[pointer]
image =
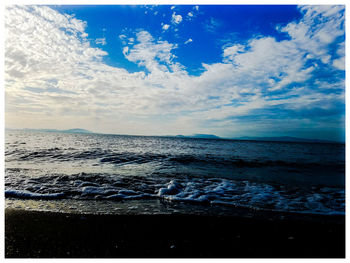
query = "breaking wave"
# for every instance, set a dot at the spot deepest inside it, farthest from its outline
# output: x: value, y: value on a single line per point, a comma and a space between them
x: 210, y: 191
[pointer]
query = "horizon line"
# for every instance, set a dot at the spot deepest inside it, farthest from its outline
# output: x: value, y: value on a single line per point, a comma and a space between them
x: 213, y: 136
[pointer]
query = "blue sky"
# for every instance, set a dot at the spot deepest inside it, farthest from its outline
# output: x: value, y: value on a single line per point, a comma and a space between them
x: 166, y: 70
x: 213, y: 26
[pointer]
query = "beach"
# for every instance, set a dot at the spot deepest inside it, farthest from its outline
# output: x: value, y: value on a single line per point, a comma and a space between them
x: 38, y: 234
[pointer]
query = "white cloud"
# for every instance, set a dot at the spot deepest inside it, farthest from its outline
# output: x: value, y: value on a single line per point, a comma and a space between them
x: 266, y: 58
x: 176, y: 19
x: 317, y: 30
x: 188, y: 41
x: 191, y: 15
x: 101, y: 41
x: 172, y: 7
x: 231, y: 51
x: 42, y: 56
x: 155, y: 55
x: 53, y: 75
x: 339, y: 63
x: 125, y: 51
x: 122, y: 36
x: 285, y: 60
x: 165, y: 27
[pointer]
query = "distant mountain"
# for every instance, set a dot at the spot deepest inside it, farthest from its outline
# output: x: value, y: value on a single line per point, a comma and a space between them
x: 55, y: 130
x: 281, y: 139
x: 205, y: 136
x: 179, y: 136
x: 77, y: 131
x: 199, y: 136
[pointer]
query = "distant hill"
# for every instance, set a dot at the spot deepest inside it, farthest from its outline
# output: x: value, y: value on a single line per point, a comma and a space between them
x: 178, y: 136
x: 205, y: 136
x: 77, y: 131
x: 199, y: 136
x: 281, y: 139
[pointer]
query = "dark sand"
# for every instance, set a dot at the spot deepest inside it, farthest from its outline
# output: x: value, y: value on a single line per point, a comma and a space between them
x: 30, y: 234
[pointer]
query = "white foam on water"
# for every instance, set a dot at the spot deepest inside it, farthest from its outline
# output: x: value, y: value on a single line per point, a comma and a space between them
x: 171, y: 189
x: 248, y: 194
x: 92, y: 190
x: 208, y: 191
x: 27, y: 194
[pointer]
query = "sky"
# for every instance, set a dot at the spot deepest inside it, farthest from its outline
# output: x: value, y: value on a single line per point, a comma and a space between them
x: 229, y: 70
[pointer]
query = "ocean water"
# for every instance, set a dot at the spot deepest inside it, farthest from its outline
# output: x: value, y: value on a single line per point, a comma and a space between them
x: 101, y: 173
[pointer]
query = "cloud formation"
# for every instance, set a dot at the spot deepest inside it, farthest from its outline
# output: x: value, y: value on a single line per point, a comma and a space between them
x: 101, y: 41
x: 176, y: 19
x: 188, y: 41
x: 165, y: 27
x: 54, y: 77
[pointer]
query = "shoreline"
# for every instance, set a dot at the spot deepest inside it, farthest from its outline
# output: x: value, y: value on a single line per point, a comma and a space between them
x: 36, y: 234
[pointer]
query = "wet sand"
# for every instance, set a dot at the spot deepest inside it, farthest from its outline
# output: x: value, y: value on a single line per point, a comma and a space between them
x: 31, y: 234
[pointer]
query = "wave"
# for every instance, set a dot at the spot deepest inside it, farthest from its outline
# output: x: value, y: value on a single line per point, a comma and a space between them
x: 110, y: 157
x: 30, y: 195
x: 210, y: 191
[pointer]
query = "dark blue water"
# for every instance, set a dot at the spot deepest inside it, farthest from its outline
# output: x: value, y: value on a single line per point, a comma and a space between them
x: 282, y: 176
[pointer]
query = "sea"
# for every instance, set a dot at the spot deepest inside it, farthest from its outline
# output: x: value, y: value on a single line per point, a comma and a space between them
x: 111, y: 174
